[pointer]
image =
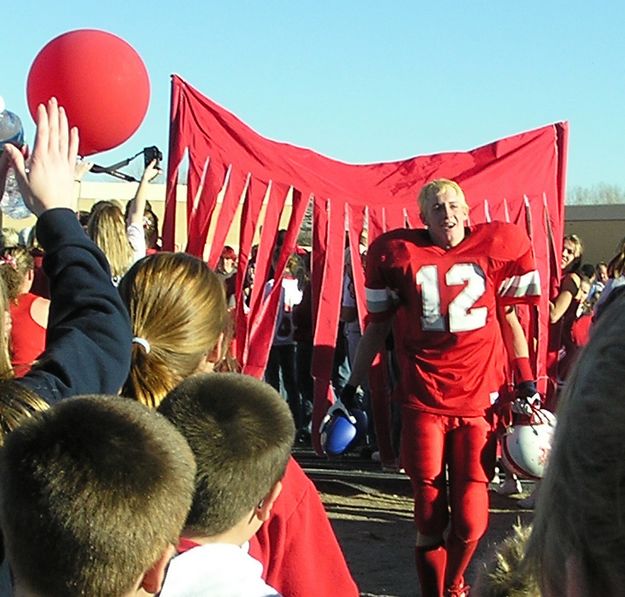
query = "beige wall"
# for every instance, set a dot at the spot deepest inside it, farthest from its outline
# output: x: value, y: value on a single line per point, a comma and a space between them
x: 600, y: 227
x: 90, y: 192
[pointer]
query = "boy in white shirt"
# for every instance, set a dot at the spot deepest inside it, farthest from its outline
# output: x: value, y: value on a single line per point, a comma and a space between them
x: 241, y: 433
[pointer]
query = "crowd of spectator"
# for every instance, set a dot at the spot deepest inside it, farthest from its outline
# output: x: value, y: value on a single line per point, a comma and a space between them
x: 132, y: 464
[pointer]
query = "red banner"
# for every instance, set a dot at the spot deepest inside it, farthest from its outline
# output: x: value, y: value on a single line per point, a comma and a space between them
x: 519, y: 179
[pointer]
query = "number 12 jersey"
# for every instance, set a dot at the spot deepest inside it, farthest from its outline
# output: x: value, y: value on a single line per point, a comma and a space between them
x: 447, y: 332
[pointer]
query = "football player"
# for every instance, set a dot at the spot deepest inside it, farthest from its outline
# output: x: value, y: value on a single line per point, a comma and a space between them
x: 449, y: 292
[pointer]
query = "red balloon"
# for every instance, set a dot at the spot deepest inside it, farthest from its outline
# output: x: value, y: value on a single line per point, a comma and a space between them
x: 99, y: 79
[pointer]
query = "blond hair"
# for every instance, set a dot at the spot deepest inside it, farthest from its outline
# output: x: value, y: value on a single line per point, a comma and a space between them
x: 578, y: 245
x: 15, y: 263
x: 432, y: 189
x: 579, y: 512
x: 502, y: 575
x: 6, y: 369
x: 177, y: 305
x: 616, y: 267
x: 107, y: 229
x: 17, y: 403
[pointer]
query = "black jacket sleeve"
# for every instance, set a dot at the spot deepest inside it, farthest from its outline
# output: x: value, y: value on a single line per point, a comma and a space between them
x: 88, y: 337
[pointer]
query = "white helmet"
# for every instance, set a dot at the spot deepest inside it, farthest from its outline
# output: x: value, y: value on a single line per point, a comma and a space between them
x: 525, y: 446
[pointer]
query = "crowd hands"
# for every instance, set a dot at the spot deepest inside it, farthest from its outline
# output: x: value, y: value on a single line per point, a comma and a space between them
x: 193, y: 519
x: 99, y: 490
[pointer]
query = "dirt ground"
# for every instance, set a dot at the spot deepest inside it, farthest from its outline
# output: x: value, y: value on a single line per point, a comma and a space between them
x: 371, y: 513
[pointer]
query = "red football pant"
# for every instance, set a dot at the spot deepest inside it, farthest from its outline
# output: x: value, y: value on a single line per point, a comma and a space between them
x: 466, y: 446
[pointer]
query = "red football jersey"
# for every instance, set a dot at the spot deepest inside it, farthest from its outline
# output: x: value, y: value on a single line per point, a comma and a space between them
x: 447, y: 334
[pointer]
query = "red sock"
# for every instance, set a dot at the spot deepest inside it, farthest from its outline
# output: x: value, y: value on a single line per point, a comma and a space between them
x: 430, y: 561
x: 459, y: 554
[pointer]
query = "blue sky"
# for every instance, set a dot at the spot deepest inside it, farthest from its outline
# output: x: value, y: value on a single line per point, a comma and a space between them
x: 366, y: 81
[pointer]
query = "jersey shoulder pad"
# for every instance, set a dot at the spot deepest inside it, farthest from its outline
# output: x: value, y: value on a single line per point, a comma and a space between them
x: 503, y: 241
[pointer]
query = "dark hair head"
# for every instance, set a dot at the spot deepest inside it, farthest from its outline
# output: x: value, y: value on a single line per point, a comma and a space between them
x: 228, y: 253
x: 150, y: 228
x: 241, y: 433
x: 93, y: 491
x: 616, y: 267
x: 588, y: 270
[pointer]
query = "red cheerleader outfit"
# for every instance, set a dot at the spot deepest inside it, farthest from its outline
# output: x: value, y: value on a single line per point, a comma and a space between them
x: 28, y: 338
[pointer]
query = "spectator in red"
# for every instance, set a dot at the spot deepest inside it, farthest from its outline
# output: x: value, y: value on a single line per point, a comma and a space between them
x: 227, y: 271
x: 29, y: 312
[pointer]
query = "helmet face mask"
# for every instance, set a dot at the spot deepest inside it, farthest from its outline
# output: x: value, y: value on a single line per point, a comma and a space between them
x: 525, y: 446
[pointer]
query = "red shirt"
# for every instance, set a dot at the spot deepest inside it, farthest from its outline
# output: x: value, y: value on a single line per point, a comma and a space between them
x: 41, y: 284
x: 28, y: 338
x: 297, y: 546
x: 447, y: 333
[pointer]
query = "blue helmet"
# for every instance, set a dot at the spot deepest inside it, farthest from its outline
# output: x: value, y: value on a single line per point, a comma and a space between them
x: 341, y: 429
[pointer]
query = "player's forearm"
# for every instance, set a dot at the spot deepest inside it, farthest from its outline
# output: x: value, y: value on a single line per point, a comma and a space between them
x: 513, y: 334
x: 370, y: 344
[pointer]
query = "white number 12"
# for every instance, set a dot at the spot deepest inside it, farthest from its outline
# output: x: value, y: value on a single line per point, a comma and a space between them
x: 463, y: 317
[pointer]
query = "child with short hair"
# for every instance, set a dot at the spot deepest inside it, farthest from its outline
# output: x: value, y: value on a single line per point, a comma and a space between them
x: 94, y: 494
x: 179, y: 315
x: 241, y: 433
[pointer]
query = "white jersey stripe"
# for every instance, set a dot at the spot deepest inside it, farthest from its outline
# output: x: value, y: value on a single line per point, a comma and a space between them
x: 527, y: 284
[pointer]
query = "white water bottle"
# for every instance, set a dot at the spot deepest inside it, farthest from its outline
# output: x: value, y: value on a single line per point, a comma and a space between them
x: 11, y: 131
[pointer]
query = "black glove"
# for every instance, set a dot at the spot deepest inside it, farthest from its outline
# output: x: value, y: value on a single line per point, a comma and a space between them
x: 350, y: 397
x: 527, y: 399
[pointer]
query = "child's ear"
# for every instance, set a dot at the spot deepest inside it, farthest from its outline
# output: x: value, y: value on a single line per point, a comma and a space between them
x: 263, y: 510
x: 153, y: 578
x: 213, y: 356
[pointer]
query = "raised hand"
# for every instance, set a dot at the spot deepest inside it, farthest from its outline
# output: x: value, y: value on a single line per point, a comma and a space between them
x: 49, y: 181
x: 138, y: 203
x: 151, y: 171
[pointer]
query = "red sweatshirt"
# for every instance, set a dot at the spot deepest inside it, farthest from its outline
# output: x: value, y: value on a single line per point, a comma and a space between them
x: 297, y: 546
